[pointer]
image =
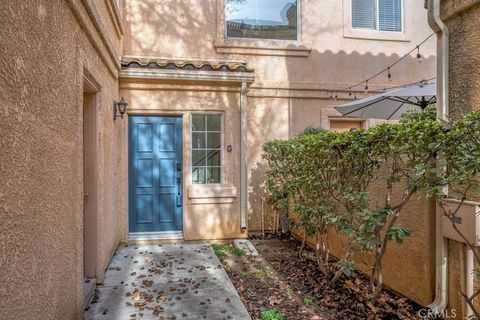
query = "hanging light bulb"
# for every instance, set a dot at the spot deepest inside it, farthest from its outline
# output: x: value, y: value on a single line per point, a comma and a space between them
x: 355, y: 97
x: 331, y: 95
x: 350, y: 91
x: 366, y: 87
x: 336, y: 95
x: 389, y: 75
x: 419, y: 55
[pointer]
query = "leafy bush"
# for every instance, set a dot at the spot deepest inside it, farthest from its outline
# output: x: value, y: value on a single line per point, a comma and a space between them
x: 324, y: 179
x: 311, y: 130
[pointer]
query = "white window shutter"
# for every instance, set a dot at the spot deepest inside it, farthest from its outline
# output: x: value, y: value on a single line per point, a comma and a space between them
x: 390, y: 15
x: 363, y: 14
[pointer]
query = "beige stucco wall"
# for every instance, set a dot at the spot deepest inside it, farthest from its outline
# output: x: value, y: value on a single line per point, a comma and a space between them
x: 462, y: 18
x: 293, y: 78
x: 291, y: 91
x: 463, y: 21
x: 209, y: 212
x: 47, y: 48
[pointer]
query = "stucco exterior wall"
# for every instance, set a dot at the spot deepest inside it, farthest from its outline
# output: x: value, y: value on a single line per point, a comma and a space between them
x: 47, y: 49
x: 291, y: 91
x: 293, y: 78
x: 49, y: 46
x: 209, y: 212
x: 463, y: 21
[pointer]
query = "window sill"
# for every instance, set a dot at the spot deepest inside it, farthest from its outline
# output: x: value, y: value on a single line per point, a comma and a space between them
x: 375, y: 35
x: 265, y: 47
x: 204, y: 194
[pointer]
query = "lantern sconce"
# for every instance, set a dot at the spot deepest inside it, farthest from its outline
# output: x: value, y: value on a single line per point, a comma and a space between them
x: 120, y: 107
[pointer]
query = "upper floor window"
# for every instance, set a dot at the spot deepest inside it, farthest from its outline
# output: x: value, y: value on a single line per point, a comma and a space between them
x: 261, y: 19
x: 382, y: 15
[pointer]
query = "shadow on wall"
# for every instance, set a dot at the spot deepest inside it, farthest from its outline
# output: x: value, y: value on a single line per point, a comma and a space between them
x: 184, y: 29
x: 282, y: 117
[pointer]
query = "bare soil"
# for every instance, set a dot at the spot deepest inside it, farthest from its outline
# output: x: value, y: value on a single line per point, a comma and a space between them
x: 278, y: 279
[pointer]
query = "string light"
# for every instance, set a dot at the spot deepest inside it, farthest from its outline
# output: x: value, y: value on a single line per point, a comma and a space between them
x: 387, y: 69
x: 419, y: 56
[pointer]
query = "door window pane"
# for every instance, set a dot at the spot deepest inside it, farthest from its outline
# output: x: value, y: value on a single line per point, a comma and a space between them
x: 206, y: 148
x: 213, y: 158
x: 261, y: 19
x: 198, y: 122
x: 214, y: 123
x: 198, y: 175
x: 198, y: 140
x: 213, y: 175
x: 198, y: 158
x: 214, y: 140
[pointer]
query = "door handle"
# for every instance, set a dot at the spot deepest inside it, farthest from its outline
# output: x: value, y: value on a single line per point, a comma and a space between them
x: 179, y: 191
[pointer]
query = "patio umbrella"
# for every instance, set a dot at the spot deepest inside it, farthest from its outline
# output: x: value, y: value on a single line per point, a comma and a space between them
x: 390, y: 105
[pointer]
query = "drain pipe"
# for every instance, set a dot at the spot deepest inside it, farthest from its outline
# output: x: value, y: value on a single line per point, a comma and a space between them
x: 243, y: 157
x: 469, y: 278
x: 441, y: 243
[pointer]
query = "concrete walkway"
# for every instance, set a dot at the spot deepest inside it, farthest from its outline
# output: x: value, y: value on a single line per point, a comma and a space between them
x: 168, y: 281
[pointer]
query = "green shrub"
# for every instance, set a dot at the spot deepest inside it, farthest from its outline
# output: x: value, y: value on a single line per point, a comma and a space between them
x: 221, y: 251
x: 324, y: 178
x: 271, y: 314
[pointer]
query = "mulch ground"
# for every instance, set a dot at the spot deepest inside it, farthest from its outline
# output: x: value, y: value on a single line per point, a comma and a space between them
x: 278, y: 279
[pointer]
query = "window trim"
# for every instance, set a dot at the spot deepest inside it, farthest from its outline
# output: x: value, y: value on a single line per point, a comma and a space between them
x: 222, y: 134
x: 375, y: 34
x: 268, y: 47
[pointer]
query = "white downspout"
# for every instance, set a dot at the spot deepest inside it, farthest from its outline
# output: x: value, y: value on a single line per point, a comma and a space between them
x: 243, y: 157
x: 469, y: 279
x: 441, y: 243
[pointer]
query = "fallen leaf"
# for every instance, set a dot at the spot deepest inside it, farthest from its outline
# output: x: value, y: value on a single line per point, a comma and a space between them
x: 147, y: 283
x: 158, y: 310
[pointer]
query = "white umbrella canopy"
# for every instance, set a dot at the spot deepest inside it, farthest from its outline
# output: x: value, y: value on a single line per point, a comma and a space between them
x: 390, y: 105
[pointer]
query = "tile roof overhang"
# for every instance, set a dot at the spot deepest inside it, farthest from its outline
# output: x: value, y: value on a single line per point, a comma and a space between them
x: 177, y: 69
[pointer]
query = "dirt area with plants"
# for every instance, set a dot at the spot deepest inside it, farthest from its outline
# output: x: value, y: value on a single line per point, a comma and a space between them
x: 278, y: 285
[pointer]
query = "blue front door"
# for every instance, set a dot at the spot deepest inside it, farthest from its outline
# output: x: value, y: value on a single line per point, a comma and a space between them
x: 155, y: 173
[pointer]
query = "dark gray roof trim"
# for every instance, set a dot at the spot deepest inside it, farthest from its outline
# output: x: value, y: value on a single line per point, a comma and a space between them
x: 169, y: 64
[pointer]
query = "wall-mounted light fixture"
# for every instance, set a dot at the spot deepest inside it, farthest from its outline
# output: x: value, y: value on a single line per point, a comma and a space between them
x: 121, y: 107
